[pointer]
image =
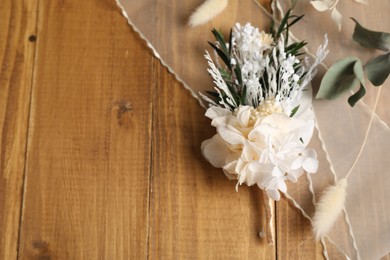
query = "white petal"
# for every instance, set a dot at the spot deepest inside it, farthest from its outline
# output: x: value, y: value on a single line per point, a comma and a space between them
x: 251, y: 178
x: 214, y: 112
x: 282, y: 122
x: 294, y: 175
x: 273, y: 194
x: 250, y: 152
x: 310, y: 165
x: 310, y: 153
x: 282, y: 186
x: 257, y: 173
x: 243, y: 175
x: 277, y: 172
x: 254, y: 166
x: 322, y: 6
x: 306, y: 132
x: 305, y: 111
x: 244, y: 114
x: 218, y: 121
x: 215, y: 151
x: 297, y: 163
x: 230, y: 176
x: 230, y: 135
x: 264, y: 133
x: 230, y: 167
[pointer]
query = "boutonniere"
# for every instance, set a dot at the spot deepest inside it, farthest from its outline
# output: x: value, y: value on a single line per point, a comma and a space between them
x: 261, y: 107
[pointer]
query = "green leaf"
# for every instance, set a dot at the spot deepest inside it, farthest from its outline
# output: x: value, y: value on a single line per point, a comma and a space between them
x: 371, y: 39
x: 297, y: 18
x: 222, y: 55
x: 341, y: 77
x: 294, y: 111
x: 294, y: 48
x: 272, y: 28
x: 213, y: 94
x: 243, y: 95
x: 218, y: 35
x: 358, y: 95
x: 283, y: 23
x: 378, y: 69
x: 238, y: 73
x: 358, y: 71
x: 230, y: 41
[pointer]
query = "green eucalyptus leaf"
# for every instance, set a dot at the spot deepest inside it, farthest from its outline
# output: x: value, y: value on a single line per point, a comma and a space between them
x: 358, y: 71
x: 371, y: 39
x: 357, y: 96
x: 341, y: 77
x: 378, y: 69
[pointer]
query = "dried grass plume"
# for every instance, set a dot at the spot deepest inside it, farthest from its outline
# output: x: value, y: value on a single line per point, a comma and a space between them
x: 329, y: 208
x: 207, y: 11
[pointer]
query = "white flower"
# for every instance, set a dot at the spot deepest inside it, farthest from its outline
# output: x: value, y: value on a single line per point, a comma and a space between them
x: 263, y: 149
x: 331, y: 5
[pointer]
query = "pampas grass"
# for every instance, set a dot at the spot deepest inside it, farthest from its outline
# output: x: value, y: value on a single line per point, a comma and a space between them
x: 329, y: 208
x: 207, y: 11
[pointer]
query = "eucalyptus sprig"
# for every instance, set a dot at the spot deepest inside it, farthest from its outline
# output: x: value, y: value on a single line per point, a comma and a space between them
x: 349, y: 73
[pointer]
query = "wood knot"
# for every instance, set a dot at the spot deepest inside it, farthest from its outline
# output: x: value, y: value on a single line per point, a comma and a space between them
x: 43, y: 250
x: 122, y: 113
x: 32, y: 38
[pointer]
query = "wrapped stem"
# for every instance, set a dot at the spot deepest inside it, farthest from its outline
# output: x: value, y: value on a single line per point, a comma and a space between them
x: 269, y: 206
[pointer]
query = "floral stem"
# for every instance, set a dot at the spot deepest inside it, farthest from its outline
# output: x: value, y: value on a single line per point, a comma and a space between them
x: 269, y: 206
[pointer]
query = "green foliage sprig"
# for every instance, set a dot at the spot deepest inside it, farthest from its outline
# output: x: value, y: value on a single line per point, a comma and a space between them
x: 232, y: 73
x: 349, y: 73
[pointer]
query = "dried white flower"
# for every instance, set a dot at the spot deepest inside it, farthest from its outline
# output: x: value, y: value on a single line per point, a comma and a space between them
x: 331, y: 5
x: 257, y: 149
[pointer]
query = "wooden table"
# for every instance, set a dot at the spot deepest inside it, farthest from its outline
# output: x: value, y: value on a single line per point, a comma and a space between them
x: 100, y: 150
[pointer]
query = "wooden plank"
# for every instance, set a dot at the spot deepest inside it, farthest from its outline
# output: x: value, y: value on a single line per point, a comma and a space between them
x: 294, y: 236
x: 17, y: 24
x: 88, y: 156
x: 195, y: 211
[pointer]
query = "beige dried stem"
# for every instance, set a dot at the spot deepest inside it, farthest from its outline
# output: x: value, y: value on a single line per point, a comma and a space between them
x: 269, y: 206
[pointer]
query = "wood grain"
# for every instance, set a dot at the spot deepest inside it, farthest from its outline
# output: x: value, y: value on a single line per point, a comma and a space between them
x: 294, y: 236
x: 17, y: 24
x: 88, y: 158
